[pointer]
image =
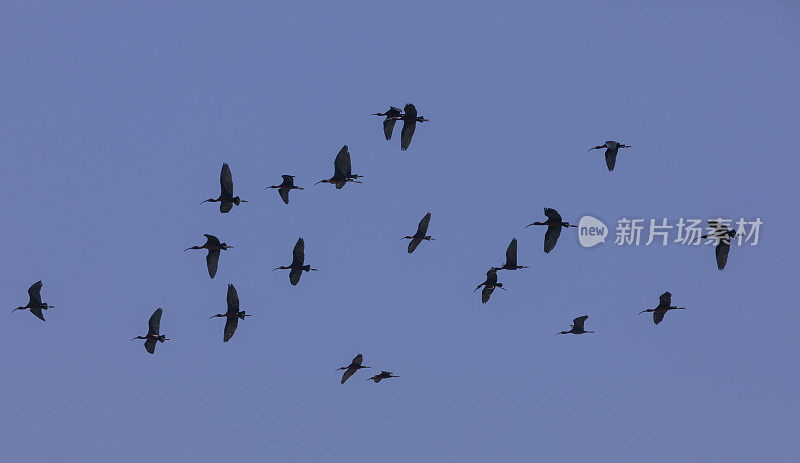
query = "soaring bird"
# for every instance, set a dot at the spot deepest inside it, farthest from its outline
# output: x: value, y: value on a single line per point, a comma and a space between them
x: 577, y: 326
x: 382, y: 375
x: 354, y: 366
x: 489, y: 285
x: 611, y: 152
x: 298, y: 258
x: 554, y: 224
x: 233, y: 314
x: 35, y: 303
x: 391, y: 117
x: 410, y: 120
x: 663, y: 307
x: 226, y: 199
x: 511, y: 258
x: 153, y: 326
x: 214, y: 247
x: 285, y: 187
x: 342, y: 171
x: 421, y: 234
x: 723, y: 236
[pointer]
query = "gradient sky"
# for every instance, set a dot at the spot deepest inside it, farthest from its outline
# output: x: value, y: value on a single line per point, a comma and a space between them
x: 116, y: 118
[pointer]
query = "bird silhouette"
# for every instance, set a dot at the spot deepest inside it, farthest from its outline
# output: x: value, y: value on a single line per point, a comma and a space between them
x: 382, y: 375
x: 298, y: 258
x: 664, y: 306
x: 611, y: 152
x: 226, y: 199
x: 153, y: 327
x: 421, y: 234
x: 577, y: 326
x: 35, y: 303
x: 410, y: 120
x: 354, y: 366
x: 489, y: 285
x: 285, y: 187
x: 511, y: 258
x: 214, y: 249
x: 723, y: 236
x: 342, y: 170
x: 233, y: 314
x: 554, y: 224
x: 391, y: 117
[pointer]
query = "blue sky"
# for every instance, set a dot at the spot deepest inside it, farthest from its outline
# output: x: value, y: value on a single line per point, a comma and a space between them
x: 118, y: 115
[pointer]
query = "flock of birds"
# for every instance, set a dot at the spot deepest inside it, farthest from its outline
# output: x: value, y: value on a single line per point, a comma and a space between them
x: 342, y: 174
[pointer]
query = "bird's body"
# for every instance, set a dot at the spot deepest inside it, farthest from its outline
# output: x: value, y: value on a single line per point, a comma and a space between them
x: 420, y: 235
x: 297, y: 266
x: 382, y: 375
x: 153, y: 336
x: 511, y: 258
x: 577, y: 326
x: 214, y: 250
x: 351, y: 369
x: 35, y: 304
x: 554, y: 224
x: 489, y: 285
x: 723, y: 236
x: 410, y: 120
x: 664, y: 306
x: 342, y: 170
x: 392, y: 115
x: 232, y: 315
x: 285, y: 187
x: 612, y: 147
x: 226, y: 198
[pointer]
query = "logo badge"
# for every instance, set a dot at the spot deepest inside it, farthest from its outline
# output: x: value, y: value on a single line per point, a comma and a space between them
x: 591, y: 231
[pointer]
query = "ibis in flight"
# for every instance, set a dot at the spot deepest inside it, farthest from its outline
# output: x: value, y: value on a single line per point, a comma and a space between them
x: 511, y: 258
x: 611, y: 152
x: 577, y: 326
x: 285, y: 187
x: 391, y: 117
x: 342, y: 170
x: 489, y: 285
x: 410, y: 120
x: 382, y: 375
x: 153, y: 327
x: 351, y: 369
x: 233, y: 314
x: 296, y: 267
x: 214, y: 249
x: 421, y: 234
x: 226, y: 199
x: 723, y: 236
x: 554, y: 224
x: 35, y: 303
x: 664, y: 306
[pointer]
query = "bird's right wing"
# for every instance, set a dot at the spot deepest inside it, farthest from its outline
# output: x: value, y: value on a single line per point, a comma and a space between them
x: 150, y: 345
x: 486, y: 293
x: 299, y: 253
x: 233, y: 300
x: 412, y: 245
x: 341, y: 165
x: 288, y: 180
x: 226, y: 180
x: 284, y: 194
x: 38, y: 312
x: 422, y: 228
x: 407, y: 133
x: 348, y: 373
x: 722, y: 249
x: 230, y: 327
x: 212, y: 240
x: 154, y: 324
x: 225, y: 207
x: 665, y: 299
x: 511, y: 254
x: 551, y: 237
x: 552, y: 214
x: 35, y: 293
x: 212, y: 261
x: 358, y: 359
x: 578, y: 322
x: 611, y: 158
x: 658, y: 315
x: 294, y: 276
x: 388, y: 127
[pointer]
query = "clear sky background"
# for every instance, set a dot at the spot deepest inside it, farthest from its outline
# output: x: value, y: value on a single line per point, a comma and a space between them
x: 116, y: 117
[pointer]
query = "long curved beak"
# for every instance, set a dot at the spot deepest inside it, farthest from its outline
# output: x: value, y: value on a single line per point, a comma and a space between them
x: 321, y: 181
x: 18, y: 308
x: 643, y: 311
x: 187, y: 249
x: 526, y: 226
x: 134, y: 339
x: 276, y: 268
x: 206, y: 201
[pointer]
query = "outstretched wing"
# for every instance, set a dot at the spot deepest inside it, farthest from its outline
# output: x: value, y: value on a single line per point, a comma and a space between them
x: 412, y: 245
x: 299, y: 253
x: 422, y: 228
x: 212, y: 261
x: 409, y: 125
x: 388, y: 127
x: 348, y: 373
x: 486, y: 293
x: 34, y: 294
x: 665, y: 300
x: 511, y: 254
x: 154, y: 324
x: 611, y: 158
x: 233, y: 300
x: 341, y: 165
x: 578, y: 322
x: 288, y: 180
x: 551, y: 237
x: 410, y: 112
x: 212, y: 240
x: 722, y: 249
x: 230, y: 327
x: 294, y: 276
x: 225, y: 206
x: 552, y: 214
x: 658, y: 315
x: 38, y: 312
x: 226, y: 180
x: 358, y: 360
x: 283, y: 192
x: 150, y: 345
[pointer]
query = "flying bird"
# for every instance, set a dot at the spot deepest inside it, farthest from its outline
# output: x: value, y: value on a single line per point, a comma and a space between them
x: 233, y: 314
x: 214, y: 249
x: 554, y: 224
x: 298, y: 258
x: 489, y: 285
x: 410, y: 120
x: 226, y: 199
x: 354, y: 366
x: 611, y: 152
x: 285, y: 187
x: 342, y: 171
x: 664, y: 305
x: 511, y: 258
x: 421, y: 234
x: 391, y: 117
x: 382, y: 375
x: 153, y: 326
x: 577, y: 326
x: 723, y: 236
x: 35, y: 303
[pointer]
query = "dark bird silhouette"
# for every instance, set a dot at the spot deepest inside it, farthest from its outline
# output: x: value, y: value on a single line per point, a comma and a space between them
x: 489, y: 285
x: 382, y: 375
x: 214, y: 249
x: 723, y: 236
x: 577, y: 326
x: 554, y: 224
x: 421, y: 234
x: 391, y: 117
x: 354, y: 366
x: 342, y: 171
x: 153, y: 327
x: 298, y: 258
x: 410, y: 120
x: 285, y: 187
x: 226, y: 199
x: 511, y: 258
x: 35, y: 303
x: 233, y: 314
x: 611, y: 152
x: 664, y: 306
